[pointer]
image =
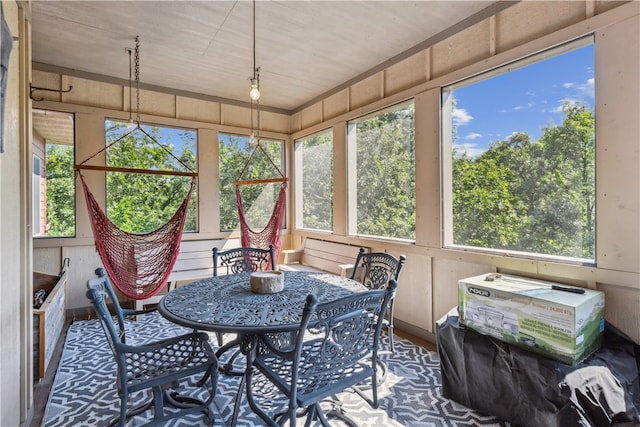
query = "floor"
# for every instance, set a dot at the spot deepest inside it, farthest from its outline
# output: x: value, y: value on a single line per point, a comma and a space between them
x: 42, y: 388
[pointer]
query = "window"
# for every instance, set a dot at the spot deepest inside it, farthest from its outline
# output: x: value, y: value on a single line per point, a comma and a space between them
x: 53, y: 190
x: 314, y: 163
x: 258, y: 200
x: 140, y: 203
x: 38, y: 182
x: 382, y: 152
x: 519, y: 153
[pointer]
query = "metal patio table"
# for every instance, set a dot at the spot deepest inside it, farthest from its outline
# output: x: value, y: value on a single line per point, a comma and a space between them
x: 227, y: 304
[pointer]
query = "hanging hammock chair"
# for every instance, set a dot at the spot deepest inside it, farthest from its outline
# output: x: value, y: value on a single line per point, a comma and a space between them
x: 138, y: 264
x: 270, y: 234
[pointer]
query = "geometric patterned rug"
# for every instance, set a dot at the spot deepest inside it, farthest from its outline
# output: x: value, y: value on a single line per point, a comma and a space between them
x: 84, y: 390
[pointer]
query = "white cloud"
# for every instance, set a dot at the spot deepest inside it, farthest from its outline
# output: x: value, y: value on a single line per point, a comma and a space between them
x: 470, y: 149
x: 582, y: 90
x: 588, y: 88
x: 461, y: 117
x: 528, y: 106
x: 473, y: 136
x: 557, y: 110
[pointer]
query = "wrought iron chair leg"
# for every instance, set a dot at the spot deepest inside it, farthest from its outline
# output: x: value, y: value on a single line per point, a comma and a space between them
x: 125, y: 415
x: 187, y: 402
x: 158, y: 403
x: 336, y: 411
x: 312, y: 415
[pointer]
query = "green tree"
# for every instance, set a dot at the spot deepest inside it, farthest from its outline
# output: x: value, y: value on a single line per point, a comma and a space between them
x: 259, y: 199
x: 317, y: 185
x: 386, y: 174
x: 138, y: 202
x: 485, y: 213
x: 570, y: 152
x: 60, y: 190
x: 531, y: 196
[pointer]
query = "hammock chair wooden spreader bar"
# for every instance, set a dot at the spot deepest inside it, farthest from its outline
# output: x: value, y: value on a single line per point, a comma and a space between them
x: 134, y: 170
x: 260, y: 181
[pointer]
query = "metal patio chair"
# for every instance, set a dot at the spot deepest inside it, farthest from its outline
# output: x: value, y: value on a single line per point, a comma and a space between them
x: 374, y: 270
x: 159, y: 366
x: 334, y: 348
x: 242, y: 260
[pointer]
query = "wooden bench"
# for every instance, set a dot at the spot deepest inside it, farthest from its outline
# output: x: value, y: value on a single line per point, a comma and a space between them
x: 195, y: 261
x: 321, y: 255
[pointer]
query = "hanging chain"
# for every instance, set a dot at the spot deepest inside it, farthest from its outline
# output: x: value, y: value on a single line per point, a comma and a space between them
x: 130, y: 88
x: 258, y: 108
x: 137, y: 66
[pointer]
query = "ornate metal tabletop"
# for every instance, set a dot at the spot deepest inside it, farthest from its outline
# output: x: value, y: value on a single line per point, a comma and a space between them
x: 227, y: 304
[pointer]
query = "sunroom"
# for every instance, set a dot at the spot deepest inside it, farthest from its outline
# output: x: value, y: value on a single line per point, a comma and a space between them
x: 388, y: 121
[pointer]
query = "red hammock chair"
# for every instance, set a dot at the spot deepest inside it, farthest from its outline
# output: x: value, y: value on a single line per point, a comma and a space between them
x: 138, y: 264
x: 270, y: 234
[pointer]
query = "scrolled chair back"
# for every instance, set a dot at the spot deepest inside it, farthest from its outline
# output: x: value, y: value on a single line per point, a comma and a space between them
x: 375, y: 269
x: 244, y: 260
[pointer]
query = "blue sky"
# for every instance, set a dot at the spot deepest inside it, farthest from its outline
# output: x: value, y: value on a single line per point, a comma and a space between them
x: 523, y: 100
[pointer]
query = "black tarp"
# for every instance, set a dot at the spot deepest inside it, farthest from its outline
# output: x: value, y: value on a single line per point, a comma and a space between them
x: 526, y: 389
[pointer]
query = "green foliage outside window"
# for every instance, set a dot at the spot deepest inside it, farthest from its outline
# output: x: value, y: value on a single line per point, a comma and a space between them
x: 317, y: 181
x: 61, y: 217
x: 258, y: 200
x: 140, y: 203
x: 386, y: 174
x: 531, y: 196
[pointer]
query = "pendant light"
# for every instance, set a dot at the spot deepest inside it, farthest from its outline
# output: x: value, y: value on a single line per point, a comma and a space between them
x: 254, y: 93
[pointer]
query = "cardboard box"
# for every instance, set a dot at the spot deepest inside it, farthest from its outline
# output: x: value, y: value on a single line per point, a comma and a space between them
x: 544, y: 317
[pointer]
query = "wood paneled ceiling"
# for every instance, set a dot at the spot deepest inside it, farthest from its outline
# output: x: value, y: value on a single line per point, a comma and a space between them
x: 305, y: 49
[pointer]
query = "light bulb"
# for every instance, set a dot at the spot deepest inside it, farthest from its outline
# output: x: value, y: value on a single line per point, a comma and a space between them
x: 255, y: 93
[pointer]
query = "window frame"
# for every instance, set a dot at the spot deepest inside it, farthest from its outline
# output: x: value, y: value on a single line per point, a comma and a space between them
x: 446, y: 151
x: 41, y: 153
x: 36, y: 195
x: 298, y: 166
